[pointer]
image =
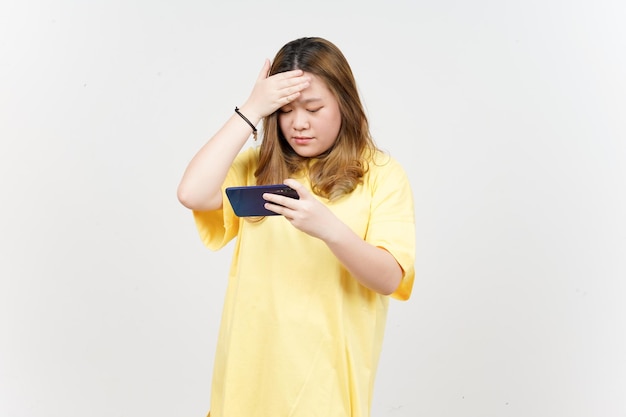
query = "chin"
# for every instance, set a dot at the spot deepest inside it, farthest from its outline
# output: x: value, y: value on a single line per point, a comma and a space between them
x: 307, y: 153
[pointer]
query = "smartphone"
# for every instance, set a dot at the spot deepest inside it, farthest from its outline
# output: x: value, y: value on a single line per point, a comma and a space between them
x: 248, y: 201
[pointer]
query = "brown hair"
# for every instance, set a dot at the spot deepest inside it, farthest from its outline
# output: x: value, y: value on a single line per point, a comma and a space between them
x: 341, y: 168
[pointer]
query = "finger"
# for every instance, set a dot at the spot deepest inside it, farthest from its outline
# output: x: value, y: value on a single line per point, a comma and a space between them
x: 272, y: 207
x: 283, y: 210
x: 295, y: 83
x: 291, y: 81
x: 297, y: 88
x: 278, y: 200
x: 291, y: 97
x: 300, y: 189
x: 293, y: 92
x: 290, y: 74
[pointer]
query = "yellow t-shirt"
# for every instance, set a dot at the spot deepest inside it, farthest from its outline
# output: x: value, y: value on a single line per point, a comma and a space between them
x: 299, y: 336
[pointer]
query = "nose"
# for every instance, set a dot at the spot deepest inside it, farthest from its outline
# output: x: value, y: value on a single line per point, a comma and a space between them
x: 301, y: 120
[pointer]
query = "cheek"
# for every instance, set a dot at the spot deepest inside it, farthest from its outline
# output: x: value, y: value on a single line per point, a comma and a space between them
x: 334, y: 125
x: 333, y: 121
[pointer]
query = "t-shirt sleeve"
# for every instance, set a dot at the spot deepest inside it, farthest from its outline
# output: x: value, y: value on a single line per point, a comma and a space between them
x: 218, y: 227
x: 392, y: 223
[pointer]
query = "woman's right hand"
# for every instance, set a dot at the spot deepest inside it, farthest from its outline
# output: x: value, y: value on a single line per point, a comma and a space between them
x: 200, y: 187
x: 271, y: 93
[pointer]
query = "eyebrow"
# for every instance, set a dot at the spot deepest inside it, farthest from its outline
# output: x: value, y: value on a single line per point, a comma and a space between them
x: 312, y: 99
x: 304, y: 101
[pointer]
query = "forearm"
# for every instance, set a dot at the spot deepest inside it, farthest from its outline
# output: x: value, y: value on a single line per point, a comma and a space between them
x: 200, y: 186
x: 372, y: 266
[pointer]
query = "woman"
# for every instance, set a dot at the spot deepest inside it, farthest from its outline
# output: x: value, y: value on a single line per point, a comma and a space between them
x: 307, y: 298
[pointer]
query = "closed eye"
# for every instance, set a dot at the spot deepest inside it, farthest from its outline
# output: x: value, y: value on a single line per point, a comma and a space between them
x: 314, y: 110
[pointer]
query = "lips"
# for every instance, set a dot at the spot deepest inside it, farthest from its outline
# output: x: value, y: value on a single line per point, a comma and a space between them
x: 302, y: 140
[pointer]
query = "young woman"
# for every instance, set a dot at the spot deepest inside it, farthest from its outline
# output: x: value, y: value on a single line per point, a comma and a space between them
x: 308, y: 291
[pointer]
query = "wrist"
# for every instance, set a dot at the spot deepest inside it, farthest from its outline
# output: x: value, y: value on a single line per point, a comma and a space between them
x: 247, y: 121
x: 250, y: 113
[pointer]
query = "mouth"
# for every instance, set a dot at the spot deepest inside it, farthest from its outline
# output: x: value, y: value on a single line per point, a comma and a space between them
x: 301, y: 140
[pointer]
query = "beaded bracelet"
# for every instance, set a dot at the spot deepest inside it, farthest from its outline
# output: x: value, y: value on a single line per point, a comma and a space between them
x: 247, y: 121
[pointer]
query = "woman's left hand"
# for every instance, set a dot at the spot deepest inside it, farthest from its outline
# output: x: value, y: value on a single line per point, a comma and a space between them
x: 372, y: 266
x: 307, y: 214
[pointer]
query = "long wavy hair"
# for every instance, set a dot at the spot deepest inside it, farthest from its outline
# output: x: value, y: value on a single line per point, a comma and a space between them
x: 340, y: 169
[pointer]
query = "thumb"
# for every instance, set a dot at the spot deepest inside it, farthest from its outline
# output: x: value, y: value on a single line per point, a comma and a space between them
x: 264, y: 71
x: 300, y: 189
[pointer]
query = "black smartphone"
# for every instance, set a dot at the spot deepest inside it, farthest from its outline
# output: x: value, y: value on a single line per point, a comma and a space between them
x: 248, y: 200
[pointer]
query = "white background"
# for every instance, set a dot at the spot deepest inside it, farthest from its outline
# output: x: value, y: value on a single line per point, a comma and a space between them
x: 510, y: 118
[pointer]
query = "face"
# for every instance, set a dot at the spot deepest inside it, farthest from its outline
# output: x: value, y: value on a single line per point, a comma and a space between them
x: 311, y: 123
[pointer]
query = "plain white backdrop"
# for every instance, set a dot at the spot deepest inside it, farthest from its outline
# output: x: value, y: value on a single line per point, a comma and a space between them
x: 509, y: 116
